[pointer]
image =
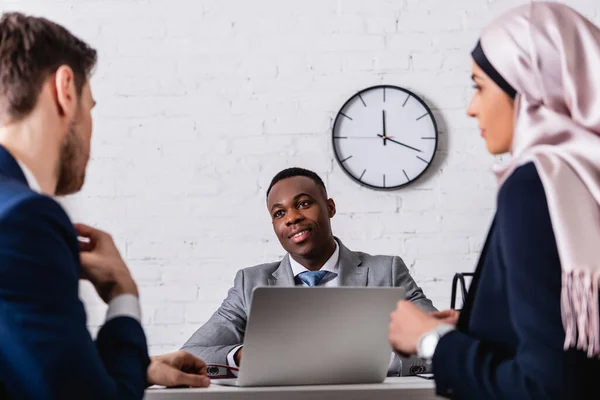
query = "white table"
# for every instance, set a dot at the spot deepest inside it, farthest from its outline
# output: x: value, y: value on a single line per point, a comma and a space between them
x: 407, y: 388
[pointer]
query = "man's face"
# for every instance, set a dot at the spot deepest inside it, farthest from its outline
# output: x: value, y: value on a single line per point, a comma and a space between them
x: 301, y: 215
x: 75, y: 149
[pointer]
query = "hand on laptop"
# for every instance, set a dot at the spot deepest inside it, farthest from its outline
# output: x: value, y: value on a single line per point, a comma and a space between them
x: 102, y: 264
x: 178, y: 369
x: 447, y: 316
x: 408, y: 324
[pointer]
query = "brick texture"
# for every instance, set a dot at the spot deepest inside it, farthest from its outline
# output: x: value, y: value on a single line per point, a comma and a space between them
x: 201, y: 102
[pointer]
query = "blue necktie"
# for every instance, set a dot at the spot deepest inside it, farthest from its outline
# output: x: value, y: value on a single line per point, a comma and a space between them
x: 311, y: 278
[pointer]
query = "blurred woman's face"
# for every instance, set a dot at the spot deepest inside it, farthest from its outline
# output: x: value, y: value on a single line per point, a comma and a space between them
x: 494, y: 110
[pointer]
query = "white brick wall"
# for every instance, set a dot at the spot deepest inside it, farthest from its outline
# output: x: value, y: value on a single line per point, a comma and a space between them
x: 201, y: 102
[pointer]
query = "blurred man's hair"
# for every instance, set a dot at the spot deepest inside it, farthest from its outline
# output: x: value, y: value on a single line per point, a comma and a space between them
x: 31, y: 49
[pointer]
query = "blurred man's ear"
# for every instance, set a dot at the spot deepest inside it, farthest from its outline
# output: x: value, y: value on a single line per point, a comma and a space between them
x: 66, y: 95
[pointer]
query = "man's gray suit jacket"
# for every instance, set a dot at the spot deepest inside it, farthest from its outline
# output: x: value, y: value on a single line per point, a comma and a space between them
x: 226, y: 327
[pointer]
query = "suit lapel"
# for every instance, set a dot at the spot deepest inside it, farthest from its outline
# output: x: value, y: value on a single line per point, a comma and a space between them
x: 283, y: 276
x: 9, y: 166
x: 465, y: 312
x: 351, y: 273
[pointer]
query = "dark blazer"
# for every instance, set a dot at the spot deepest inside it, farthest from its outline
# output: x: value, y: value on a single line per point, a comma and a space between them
x: 509, y: 341
x: 46, y: 351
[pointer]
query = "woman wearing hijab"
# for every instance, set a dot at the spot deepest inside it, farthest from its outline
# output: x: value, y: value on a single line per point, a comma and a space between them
x: 529, y: 328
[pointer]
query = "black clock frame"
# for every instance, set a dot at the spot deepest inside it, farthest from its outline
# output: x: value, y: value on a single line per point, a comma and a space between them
x: 339, y: 115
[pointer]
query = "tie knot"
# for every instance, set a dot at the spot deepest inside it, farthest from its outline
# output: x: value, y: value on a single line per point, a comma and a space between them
x: 311, y: 278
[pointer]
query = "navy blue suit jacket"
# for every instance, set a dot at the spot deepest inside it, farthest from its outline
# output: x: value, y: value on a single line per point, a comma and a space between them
x: 509, y: 341
x: 46, y: 351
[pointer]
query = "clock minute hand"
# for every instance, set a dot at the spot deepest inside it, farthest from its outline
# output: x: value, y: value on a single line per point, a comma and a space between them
x: 401, y: 144
x: 384, y: 130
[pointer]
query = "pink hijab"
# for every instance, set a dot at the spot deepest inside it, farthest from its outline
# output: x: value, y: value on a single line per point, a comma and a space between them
x: 550, y: 55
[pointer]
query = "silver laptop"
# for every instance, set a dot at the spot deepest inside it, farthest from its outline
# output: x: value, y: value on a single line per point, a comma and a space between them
x: 314, y: 336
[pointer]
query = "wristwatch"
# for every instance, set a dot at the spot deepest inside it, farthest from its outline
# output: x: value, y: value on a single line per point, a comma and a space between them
x: 428, y: 341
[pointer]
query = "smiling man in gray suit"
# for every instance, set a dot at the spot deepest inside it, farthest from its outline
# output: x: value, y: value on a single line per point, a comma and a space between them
x: 301, y: 213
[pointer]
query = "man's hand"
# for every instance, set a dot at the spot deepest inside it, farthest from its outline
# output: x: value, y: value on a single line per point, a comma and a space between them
x: 178, y: 369
x: 102, y: 264
x: 408, y: 324
x: 447, y: 316
x: 238, y: 356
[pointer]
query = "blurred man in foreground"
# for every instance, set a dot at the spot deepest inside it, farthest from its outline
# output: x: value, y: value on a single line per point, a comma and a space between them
x: 45, y: 129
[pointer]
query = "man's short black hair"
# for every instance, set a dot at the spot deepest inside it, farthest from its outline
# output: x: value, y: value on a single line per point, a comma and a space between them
x: 292, y: 172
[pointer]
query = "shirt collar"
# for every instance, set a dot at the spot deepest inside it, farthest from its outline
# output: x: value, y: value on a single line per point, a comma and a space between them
x: 330, y: 265
x: 31, y: 181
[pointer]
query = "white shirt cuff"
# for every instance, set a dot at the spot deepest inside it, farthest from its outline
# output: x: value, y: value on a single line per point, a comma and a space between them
x: 231, y: 358
x: 125, y: 305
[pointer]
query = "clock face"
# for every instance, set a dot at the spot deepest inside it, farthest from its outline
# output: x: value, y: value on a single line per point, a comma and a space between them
x: 385, y: 137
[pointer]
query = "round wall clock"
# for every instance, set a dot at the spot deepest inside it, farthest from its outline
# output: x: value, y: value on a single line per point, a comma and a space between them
x: 385, y: 137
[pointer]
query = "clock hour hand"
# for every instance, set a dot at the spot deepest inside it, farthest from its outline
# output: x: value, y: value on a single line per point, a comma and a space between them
x: 401, y: 144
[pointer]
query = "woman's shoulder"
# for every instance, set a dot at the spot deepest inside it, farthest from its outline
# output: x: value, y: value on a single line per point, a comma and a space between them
x: 524, y: 182
x: 522, y: 200
x: 526, y: 173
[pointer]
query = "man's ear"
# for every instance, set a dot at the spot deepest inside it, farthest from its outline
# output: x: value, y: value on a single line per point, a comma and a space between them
x: 66, y: 94
x: 331, y: 208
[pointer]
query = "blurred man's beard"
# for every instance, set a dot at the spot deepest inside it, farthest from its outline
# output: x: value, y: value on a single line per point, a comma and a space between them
x: 71, y: 167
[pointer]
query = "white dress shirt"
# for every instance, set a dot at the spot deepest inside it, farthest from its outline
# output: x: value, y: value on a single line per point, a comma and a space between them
x: 124, y: 305
x: 331, y: 265
x: 330, y: 280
